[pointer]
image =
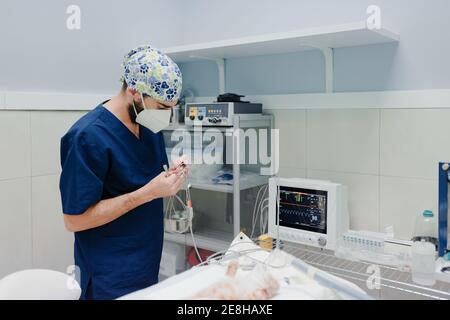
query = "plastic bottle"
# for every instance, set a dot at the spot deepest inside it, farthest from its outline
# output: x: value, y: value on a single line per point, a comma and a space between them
x: 423, y: 262
x: 423, y: 250
x: 426, y: 227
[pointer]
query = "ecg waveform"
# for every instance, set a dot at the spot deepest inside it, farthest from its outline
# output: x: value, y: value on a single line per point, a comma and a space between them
x: 303, y: 208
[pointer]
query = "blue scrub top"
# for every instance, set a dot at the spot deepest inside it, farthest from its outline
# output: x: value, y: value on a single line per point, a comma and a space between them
x: 101, y: 159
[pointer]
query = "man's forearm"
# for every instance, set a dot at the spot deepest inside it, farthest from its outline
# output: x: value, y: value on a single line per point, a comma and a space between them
x: 108, y: 210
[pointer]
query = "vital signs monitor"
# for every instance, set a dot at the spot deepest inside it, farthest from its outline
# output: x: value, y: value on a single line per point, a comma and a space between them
x: 310, y: 212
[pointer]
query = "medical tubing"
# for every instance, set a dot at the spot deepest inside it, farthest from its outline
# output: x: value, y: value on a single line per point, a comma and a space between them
x: 278, y: 215
x: 231, y: 254
x: 262, y: 219
x: 319, y: 276
x: 257, y: 208
x: 329, y: 282
x: 191, y: 216
x: 170, y: 208
x: 254, y: 216
x: 261, y: 200
x: 224, y: 252
x: 195, y: 244
x: 266, y: 219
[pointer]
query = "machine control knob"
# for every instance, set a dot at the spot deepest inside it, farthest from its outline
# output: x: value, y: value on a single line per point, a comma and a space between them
x: 322, y: 241
x: 192, y: 118
x: 200, y: 118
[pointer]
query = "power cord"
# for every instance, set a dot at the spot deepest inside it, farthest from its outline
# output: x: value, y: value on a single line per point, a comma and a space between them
x: 187, y: 207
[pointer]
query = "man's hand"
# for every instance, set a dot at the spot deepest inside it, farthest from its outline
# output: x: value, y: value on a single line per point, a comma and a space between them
x: 166, y: 184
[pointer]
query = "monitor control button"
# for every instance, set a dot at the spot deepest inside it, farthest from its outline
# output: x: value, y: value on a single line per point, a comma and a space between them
x: 322, y: 241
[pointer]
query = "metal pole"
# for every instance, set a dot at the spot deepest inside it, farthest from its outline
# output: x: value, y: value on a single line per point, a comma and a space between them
x: 236, y: 178
x: 443, y: 208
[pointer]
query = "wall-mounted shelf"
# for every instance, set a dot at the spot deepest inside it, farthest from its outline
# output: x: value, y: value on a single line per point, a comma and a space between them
x: 324, y: 38
x: 338, y: 36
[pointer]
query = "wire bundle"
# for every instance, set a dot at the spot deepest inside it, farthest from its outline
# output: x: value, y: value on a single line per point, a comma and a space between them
x: 261, y: 211
x: 170, y: 212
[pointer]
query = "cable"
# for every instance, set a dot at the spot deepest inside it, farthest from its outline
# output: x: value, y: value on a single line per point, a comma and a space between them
x: 232, y: 254
x: 259, y: 202
x: 254, y: 216
x: 224, y: 252
x: 261, y: 206
x: 264, y: 219
x: 190, y: 215
x: 261, y: 215
x: 278, y: 214
x: 185, y: 208
x: 321, y: 277
x: 327, y: 281
x: 264, y: 213
x: 195, y: 244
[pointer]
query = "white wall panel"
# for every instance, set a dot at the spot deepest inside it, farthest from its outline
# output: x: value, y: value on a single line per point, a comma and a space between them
x: 15, y: 139
x: 47, y: 129
x: 52, y: 243
x: 343, y: 140
x: 15, y: 225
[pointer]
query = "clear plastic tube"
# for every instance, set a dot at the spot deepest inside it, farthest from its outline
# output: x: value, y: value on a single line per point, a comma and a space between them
x: 331, y: 283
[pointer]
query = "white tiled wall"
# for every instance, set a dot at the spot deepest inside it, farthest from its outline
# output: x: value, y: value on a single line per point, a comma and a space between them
x: 364, y: 196
x: 15, y: 144
x: 293, y: 135
x: 32, y: 233
x: 412, y: 141
x: 15, y: 225
x: 343, y: 140
x: 402, y: 199
x: 387, y: 157
x: 48, y: 127
x: 52, y: 244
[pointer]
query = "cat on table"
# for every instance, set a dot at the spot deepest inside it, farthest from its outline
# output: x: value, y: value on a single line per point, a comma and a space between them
x: 259, y: 284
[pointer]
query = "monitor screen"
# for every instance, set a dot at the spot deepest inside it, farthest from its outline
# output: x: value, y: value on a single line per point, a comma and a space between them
x: 303, y: 209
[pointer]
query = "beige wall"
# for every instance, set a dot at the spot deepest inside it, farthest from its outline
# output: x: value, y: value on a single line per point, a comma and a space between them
x: 32, y: 233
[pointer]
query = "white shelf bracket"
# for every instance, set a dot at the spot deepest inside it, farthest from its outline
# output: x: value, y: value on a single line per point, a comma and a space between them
x: 329, y: 69
x: 328, y: 54
x: 221, y: 72
x: 220, y: 63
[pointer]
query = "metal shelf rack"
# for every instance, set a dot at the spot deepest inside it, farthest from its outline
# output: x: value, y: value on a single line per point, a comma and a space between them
x: 216, y: 240
x: 394, y: 284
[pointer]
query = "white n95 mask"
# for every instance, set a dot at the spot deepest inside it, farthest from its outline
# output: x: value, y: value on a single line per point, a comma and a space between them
x: 155, y: 120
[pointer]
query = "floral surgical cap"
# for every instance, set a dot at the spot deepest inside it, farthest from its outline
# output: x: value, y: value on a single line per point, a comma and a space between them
x: 151, y: 72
